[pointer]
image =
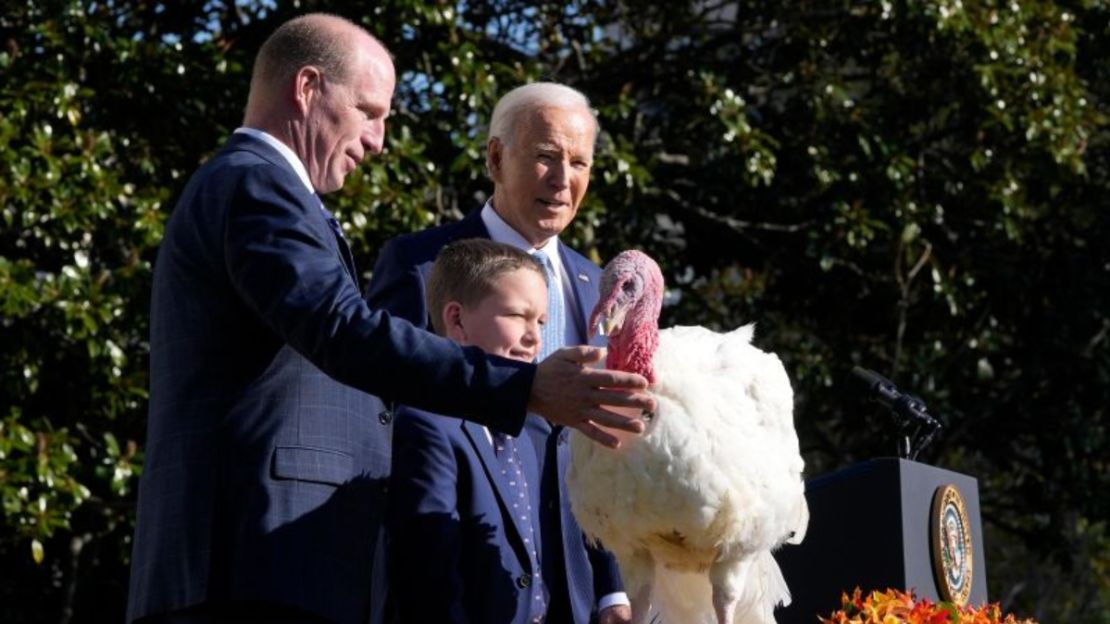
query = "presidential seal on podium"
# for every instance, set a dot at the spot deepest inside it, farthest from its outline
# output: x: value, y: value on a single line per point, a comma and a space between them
x: 950, y: 531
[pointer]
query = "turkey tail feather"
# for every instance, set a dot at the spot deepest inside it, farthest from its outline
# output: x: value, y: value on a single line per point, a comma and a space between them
x: 767, y: 591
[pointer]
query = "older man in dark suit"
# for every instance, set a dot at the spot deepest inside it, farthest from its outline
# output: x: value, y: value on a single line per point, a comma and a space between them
x: 539, y: 154
x: 261, y: 497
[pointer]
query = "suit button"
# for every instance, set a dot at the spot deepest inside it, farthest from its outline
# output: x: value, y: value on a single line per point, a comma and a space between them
x: 385, y: 417
x: 524, y: 581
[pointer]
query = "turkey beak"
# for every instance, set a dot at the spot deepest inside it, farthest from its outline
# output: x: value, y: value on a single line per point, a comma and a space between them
x: 613, y: 320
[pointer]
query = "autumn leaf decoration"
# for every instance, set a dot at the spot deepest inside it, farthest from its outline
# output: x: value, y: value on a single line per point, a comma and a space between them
x: 896, y: 607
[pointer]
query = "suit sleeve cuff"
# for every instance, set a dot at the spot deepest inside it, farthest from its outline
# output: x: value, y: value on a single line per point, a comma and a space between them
x: 612, y: 600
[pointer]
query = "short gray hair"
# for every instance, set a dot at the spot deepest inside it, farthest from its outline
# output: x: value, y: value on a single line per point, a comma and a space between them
x: 530, y: 97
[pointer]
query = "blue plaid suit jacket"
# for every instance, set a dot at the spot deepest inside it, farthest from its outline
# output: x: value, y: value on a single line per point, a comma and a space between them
x: 266, y: 458
x: 581, y: 574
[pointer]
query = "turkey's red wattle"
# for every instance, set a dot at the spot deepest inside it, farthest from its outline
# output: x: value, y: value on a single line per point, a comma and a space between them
x: 632, y: 349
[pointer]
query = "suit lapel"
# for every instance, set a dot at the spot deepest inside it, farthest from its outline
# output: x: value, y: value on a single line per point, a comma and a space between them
x: 240, y: 141
x: 476, y: 434
x: 585, y: 290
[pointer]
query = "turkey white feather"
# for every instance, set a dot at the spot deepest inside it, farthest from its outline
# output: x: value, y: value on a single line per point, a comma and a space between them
x: 693, y: 507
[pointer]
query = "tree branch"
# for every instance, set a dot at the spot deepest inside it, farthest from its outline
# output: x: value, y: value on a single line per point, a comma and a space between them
x: 737, y: 225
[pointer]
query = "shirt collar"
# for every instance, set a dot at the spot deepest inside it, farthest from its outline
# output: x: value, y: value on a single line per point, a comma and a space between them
x: 282, y: 149
x: 502, y: 232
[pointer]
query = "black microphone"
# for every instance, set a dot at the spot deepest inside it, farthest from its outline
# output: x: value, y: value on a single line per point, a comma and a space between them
x: 908, y: 407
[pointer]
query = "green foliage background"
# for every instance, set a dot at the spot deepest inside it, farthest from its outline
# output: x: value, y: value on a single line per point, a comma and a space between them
x: 917, y: 187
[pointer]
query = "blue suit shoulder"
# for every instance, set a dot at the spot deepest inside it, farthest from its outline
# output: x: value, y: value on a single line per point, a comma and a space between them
x: 397, y: 285
x: 418, y: 248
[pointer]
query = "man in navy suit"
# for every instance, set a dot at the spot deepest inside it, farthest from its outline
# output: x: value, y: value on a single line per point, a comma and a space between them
x: 262, y: 490
x: 462, y: 517
x: 539, y: 155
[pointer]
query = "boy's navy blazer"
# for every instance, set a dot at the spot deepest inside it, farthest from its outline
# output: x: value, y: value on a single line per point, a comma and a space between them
x: 458, y: 553
x: 266, y: 459
x: 399, y: 285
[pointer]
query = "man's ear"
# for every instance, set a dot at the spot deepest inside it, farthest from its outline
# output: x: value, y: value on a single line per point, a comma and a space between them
x: 452, y: 322
x: 495, y: 153
x: 308, y: 84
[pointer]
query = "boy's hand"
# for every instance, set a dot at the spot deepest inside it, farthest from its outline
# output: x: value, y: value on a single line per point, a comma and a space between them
x: 567, y: 392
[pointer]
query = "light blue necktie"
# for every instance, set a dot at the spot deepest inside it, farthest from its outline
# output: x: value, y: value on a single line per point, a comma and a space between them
x: 554, y: 329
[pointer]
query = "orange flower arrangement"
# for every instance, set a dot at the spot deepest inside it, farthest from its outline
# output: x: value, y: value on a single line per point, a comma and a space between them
x: 897, y: 607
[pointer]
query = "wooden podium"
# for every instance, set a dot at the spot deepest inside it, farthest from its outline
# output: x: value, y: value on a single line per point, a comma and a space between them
x: 886, y: 523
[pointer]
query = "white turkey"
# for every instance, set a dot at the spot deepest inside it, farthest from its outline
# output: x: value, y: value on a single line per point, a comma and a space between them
x: 692, y: 508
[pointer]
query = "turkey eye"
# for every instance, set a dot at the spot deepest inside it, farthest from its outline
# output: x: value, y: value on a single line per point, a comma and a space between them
x: 628, y: 287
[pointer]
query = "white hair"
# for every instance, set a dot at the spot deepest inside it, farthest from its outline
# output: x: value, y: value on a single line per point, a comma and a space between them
x: 530, y: 97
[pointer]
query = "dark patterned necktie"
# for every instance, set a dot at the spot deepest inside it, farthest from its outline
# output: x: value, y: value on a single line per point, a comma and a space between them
x: 520, y: 505
x: 340, y: 240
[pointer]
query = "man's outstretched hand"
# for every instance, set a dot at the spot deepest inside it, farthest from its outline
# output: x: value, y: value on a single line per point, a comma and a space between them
x: 568, y: 392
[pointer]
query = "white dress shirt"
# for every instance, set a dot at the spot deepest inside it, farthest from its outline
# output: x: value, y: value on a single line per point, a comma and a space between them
x: 282, y: 149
